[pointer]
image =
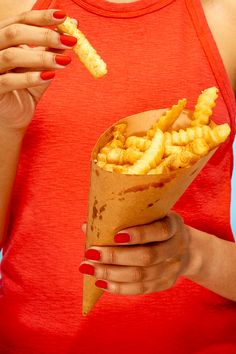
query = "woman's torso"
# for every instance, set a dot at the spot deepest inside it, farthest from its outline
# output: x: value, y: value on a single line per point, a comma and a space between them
x: 154, y: 58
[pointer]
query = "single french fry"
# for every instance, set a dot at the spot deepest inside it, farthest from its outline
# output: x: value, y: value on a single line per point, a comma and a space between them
x: 198, y: 147
x: 213, y: 137
x: 203, y: 109
x: 84, y: 50
x: 120, y: 157
x: 151, y: 157
x: 137, y: 142
x: 168, y: 118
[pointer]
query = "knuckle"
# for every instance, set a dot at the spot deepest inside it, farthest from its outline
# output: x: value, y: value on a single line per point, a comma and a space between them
x: 12, y: 32
x: 24, y: 17
x: 105, y: 273
x: 111, y: 255
x: 142, y: 288
x: 29, y: 78
x: 137, y: 235
x: 138, y: 274
x: 46, y: 16
x: 48, y: 36
x: 8, y: 55
x: 116, y: 288
x: 3, y: 82
x: 148, y: 257
x: 44, y: 59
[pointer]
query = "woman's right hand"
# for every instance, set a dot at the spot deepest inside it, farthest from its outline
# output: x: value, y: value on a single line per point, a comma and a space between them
x: 26, y: 72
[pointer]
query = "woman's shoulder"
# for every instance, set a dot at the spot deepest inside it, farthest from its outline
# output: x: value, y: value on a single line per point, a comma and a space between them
x: 221, y: 17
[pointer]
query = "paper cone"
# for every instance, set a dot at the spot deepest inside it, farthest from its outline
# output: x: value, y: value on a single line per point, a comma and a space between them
x: 118, y: 201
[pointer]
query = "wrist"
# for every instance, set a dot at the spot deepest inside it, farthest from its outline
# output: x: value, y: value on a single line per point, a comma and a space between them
x: 201, y: 251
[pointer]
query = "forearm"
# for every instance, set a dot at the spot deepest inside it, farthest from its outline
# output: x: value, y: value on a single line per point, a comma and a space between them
x: 212, y: 263
x: 10, y: 146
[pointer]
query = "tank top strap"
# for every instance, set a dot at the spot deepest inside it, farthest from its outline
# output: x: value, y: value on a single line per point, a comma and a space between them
x: 212, y: 54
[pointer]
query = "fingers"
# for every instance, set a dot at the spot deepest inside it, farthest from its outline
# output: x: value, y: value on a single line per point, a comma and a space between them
x: 129, y: 274
x: 161, y: 230
x: 143, y: 255
x: 13, y: 81
x: 139, y: 288
x: 36, y: 18
x: 17, y: 34
x: 12, y: 58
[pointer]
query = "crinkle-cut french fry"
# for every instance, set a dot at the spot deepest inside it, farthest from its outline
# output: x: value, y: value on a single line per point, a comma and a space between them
x: 198, y: 147
x: 102, y: 155
x: 182, y: 160
x: 137, y: 142
x: 111, y: 167
x: 151, y: 157
x: 205, y: 104
x: 120, y: 157
x: 213, y: 137
x: 101, y: 164
x: 159, y: 170
x: 118, y: 136
x: 168, y: 118
x: 84, y: 50
x: 172, y: 149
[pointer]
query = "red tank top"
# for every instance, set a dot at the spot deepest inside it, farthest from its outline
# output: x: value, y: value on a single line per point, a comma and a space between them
x: 157, y: 52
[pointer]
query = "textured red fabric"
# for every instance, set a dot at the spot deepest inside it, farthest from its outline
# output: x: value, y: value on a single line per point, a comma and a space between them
x: 157, y: 52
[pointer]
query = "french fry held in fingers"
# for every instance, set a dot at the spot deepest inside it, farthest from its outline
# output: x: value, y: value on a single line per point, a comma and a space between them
x: 84, y: 50
x: 137, y: 177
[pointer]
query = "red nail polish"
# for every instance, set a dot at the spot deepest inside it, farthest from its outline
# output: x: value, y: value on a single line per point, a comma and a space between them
x: 94, y: 255
x: 122, y: 238
x: 62, y: 60
x: 47, y: 75
x: 59, y: 15
x: 69, y: 41
x: 101, y: 284
x: 87, y: 269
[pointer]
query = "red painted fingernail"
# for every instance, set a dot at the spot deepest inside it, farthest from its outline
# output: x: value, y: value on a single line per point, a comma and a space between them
x: 101, y: 284
x: 47, y: 75
x: 62, y: 60
x: 69, y: 41
x: 87, y: 269
x: 94, y: 255
x: 59, y: 15
x: 122, y: 238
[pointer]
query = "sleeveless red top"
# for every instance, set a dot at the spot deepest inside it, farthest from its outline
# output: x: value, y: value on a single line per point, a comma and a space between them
x: 157, y: 52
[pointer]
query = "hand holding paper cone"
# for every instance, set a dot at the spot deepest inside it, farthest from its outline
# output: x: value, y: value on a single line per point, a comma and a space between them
x: 145, y: 189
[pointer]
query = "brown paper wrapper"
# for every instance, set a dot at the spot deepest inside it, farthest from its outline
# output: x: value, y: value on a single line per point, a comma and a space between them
x: 118, y: 201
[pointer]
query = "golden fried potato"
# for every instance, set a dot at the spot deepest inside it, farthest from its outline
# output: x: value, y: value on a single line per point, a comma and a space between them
x: 203, y: 109
x: 168, y: 118
x: 151, y: 157
x: 136, y: 142
x: 120, y: 157
x: 84, y: 50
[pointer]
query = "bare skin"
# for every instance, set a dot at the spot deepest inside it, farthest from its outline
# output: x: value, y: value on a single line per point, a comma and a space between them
x: 142, y: 264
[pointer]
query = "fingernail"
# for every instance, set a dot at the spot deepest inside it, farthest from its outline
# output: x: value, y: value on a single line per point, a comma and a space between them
x: 122, y: 238
x: 62, y: 60
x: 59, y: 15
x: 87, y: 269
x: 47, y: 75
x: 94, y: 255
x: 69, y: 41
x: 101, y: 284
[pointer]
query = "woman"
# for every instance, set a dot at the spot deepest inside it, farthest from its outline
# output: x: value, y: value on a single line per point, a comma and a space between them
x: 157, y: 52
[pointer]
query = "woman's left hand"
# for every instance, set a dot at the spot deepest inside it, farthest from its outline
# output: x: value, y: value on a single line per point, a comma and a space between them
x: 151, y: 259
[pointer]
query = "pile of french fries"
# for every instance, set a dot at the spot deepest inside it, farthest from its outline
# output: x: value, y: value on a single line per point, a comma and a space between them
x: 164, y: 149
